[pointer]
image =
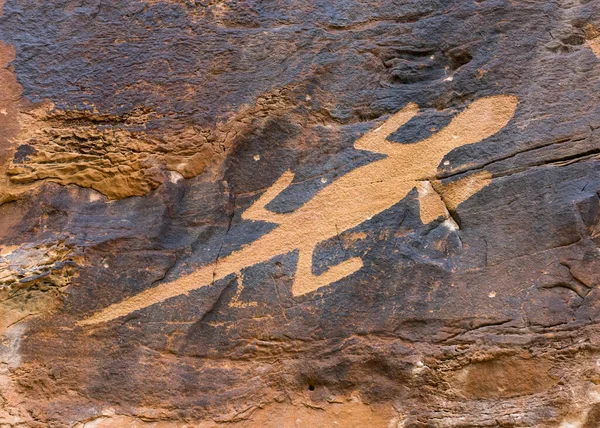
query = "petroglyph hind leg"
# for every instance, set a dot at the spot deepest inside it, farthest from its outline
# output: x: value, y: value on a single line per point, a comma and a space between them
x: 257, y: 210
x: 305, y: 281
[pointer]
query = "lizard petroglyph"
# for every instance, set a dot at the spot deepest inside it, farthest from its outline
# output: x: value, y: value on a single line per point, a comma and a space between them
x: 345, y: 203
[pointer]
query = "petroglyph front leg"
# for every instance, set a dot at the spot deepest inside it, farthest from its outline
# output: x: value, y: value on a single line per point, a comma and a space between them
x: 257, y: 210
x: 431, y: 205
x: 305, y: 281
x: 375, y: 141
x: 439, y: 200
x: 456, y: 193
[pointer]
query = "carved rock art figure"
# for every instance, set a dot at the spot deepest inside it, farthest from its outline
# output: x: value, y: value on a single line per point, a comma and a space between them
x: 345, y: 203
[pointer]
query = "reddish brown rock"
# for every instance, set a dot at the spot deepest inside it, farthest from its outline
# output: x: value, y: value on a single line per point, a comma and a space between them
x: 248, y: 213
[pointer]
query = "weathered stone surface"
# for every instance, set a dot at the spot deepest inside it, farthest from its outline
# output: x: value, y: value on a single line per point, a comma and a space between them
x: 248, y: 213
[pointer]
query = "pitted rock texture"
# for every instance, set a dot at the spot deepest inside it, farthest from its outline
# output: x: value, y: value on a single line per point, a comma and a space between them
x: 143, y: 142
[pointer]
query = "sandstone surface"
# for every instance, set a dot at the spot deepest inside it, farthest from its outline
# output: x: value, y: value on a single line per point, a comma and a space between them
x: 248, y: 213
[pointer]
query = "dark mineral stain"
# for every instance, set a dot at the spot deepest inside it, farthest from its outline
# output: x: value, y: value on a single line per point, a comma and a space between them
x: 23, y: 152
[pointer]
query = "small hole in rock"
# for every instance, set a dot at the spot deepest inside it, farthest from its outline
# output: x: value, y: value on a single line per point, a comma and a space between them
x: 574, y: 40
x: 311, y: 387
x: 459, y: 57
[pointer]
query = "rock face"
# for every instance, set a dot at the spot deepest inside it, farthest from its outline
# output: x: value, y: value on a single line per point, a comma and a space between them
x: 298, y: 214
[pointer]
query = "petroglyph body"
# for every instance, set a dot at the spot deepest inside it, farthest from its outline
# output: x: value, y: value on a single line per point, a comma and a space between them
x: 344, y: 204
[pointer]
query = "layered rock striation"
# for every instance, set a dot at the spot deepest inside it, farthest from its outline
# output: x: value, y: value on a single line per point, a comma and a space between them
x: 249, y: 213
